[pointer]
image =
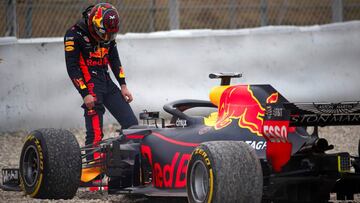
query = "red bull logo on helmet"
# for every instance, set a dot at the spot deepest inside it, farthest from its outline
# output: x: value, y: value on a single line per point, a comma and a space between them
x: 239, y: 103
x: 106, y: 18
x: 98, y: 17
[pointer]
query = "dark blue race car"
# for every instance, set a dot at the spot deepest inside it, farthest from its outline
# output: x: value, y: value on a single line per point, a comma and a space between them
x: 253, y: 147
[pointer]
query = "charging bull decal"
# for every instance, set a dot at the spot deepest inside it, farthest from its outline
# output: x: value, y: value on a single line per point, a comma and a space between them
x: 239, y: 103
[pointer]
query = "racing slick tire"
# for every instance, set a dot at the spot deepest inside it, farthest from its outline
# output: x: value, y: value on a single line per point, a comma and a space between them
x: 50, y: 164
x: 224, y: 171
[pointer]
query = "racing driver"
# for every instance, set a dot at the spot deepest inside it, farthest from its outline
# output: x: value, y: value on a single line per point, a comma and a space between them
x: 89, y: 48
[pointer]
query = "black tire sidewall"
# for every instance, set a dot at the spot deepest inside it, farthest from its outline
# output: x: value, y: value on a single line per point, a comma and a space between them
x: 235, y: 168
x: 203, y: 154
x: 61, y: 161
x: 34, y: 139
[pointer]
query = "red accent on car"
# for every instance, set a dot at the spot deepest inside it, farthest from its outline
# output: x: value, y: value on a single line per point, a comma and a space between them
x: 239, y: 102
x: 95, y: 188
x: 146, y: 152
x: 135, y: 137
x: 278, y: 147
x: 168, y: 175
x: 180, y: 180
x: 176, y: 142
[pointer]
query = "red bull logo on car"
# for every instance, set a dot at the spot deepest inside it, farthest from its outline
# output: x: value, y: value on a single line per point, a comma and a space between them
x: 239, y: 103
x: 273, y: 98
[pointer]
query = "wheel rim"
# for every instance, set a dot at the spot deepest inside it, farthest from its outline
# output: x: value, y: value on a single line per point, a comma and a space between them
x: 199, y: 181
x: 31, y: 166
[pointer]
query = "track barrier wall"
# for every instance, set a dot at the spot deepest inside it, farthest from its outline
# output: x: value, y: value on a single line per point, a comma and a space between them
x: 316, y: 63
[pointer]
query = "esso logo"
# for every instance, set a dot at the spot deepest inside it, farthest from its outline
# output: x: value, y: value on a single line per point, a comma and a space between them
x: 276, y: 133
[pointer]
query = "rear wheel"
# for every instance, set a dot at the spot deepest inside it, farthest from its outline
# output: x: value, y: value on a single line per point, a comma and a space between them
x: 50, y: 164
x: 224, y: 171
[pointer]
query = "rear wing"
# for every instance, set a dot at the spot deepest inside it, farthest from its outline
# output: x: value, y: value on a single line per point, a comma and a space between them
x: 316, y: 114
x: 281, y: 118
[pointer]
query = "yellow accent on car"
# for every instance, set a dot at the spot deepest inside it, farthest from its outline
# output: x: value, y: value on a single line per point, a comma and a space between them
x: 88, y: 174
x: 211, y: 119
x: 211, y: 185
x: 29, y: 137
x: 69, y: 48
x: 38, y: 184
x: 41, y: 166
x: 215, y: 94
x: 343, y: 164
x: 273, y: 98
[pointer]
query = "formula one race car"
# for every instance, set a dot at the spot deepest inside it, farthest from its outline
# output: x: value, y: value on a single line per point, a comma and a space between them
x: 253, y: 147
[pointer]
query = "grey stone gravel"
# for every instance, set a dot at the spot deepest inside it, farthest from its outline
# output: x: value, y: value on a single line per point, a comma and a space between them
x: 343, y: 138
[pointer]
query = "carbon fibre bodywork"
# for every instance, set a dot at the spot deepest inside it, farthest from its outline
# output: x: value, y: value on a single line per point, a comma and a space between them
x: 168, y: 150
x: 161, y: 155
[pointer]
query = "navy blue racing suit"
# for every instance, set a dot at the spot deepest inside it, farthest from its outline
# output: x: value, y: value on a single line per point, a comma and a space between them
x: 87, y: 65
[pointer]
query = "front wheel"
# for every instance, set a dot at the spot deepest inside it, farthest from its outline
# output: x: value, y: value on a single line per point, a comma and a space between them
x: 50, y: 164
x: 224, y: 171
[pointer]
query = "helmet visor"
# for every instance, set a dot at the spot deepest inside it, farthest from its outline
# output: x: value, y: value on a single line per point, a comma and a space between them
x: 105, y: 36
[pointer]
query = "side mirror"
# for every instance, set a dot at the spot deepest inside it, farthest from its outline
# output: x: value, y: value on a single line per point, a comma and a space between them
x: 151, y: 116
x: 225, y: 77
